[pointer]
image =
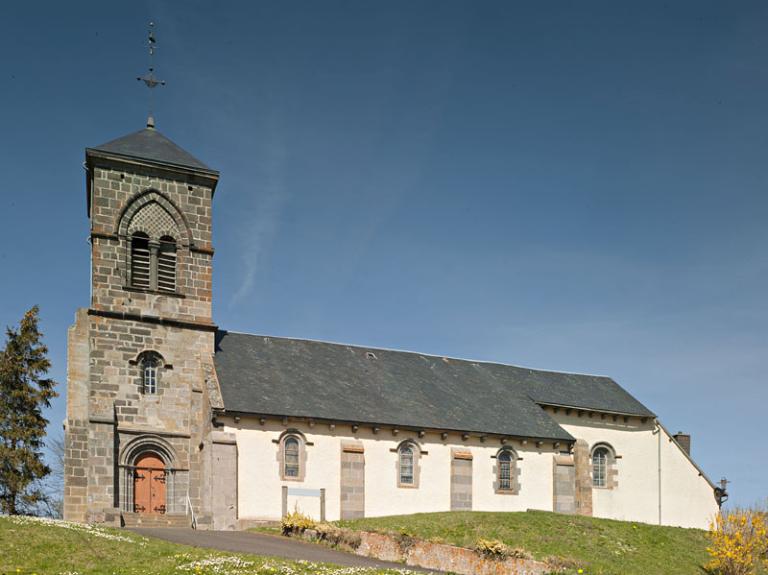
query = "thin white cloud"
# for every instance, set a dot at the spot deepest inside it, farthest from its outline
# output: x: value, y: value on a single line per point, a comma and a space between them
x: 262, y: 218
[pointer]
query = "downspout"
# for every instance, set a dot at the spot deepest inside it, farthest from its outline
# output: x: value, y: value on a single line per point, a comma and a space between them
x: 658, y: 432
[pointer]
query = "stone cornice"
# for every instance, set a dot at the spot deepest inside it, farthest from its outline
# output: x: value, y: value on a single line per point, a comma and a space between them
x: 155, y: 320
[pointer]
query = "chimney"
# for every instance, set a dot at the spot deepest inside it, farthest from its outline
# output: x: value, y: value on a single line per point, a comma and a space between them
x: 684, y: 440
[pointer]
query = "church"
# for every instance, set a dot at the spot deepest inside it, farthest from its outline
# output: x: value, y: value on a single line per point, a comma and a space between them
x: 172, y: 420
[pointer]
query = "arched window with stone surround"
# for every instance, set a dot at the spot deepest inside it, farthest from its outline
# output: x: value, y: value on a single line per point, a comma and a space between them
x: 409, y: 454
x: 505, y: 470
x: 292, y: 455
x: 406, y: 467
x: 506, y: 480
x: 150, y: 366
x: 140, y: 261
x: 603, y: 466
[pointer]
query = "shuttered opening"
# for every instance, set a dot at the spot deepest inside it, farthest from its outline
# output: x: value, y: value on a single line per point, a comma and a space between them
x: 166, y: 265
x: 140, y: 265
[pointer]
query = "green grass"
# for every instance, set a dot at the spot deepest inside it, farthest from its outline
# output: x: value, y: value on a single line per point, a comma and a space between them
x: 599, y: 546
x: 30, y: 546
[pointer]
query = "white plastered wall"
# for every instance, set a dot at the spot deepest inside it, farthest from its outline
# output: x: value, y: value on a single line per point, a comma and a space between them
x: 260, y: 485
x: 687, y: 498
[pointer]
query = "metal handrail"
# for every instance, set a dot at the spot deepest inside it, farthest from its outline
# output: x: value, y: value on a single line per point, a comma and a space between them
x: 192, y: 511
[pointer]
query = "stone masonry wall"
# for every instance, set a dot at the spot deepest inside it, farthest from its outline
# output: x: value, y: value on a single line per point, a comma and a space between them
x: 582, y: 463
x: 352, y: 488
x: 461, y: 480
x: 114, y: 192
x: 108, y: 414
x: 76, y: 437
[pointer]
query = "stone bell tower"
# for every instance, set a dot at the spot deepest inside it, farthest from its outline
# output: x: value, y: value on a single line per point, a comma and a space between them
x: 140, y: 382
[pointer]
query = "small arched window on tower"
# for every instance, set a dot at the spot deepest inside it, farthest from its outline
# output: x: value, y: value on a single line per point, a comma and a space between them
x: 166, y: 265
x: 150, y: 365
x: 140, y: 261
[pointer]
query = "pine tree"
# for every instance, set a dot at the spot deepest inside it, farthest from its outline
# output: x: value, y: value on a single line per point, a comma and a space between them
x: 24, y: 392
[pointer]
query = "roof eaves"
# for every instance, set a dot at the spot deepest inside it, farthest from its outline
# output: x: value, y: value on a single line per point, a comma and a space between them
x: 564, y: 437
x: 647, y: 413
x: 134, y: 159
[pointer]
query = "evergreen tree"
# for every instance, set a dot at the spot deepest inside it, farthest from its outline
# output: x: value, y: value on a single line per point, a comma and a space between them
x: 24, y: 392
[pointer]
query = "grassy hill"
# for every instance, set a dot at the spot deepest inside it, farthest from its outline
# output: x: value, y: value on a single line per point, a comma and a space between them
x: 32, y: 546
x: 598, y: 546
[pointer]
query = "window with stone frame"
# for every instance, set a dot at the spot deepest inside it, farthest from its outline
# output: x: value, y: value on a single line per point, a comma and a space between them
x: 150, y: 368
x: 291, y: 463
x: 406, y: 467
x: 291, y: 456
x: 507, y: 472
x: 603, y: 467
x: 409, y: 454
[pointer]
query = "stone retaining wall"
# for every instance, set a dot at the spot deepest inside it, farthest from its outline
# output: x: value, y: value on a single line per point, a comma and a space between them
x: 440, y: 557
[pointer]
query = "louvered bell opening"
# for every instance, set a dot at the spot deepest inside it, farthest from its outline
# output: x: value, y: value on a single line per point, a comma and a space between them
x: 140, y: 261
x: 166, y: 265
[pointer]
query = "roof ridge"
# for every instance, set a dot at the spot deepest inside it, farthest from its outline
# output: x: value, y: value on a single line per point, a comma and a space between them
x: 435, y: 355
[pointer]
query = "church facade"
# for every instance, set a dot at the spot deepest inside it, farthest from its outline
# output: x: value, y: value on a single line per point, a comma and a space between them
x: 173, y: 421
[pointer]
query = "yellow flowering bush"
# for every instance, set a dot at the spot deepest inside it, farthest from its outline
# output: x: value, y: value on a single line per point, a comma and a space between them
x: 297, y: 522
x: 739, y: 543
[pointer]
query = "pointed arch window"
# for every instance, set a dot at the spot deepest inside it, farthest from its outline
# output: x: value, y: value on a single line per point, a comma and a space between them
x: 166, y: 264
x: 140, y: 261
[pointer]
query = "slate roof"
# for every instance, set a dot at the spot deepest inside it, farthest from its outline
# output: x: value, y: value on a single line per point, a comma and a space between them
x: 149, y: 144
x: 302, y: 378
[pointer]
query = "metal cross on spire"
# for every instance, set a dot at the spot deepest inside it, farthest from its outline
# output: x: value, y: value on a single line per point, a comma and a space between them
x: 149, y: 78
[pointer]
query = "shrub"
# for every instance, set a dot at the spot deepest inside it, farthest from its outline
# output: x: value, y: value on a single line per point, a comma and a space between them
x: 337, y: 536
x: 494, y: 549
x: 405, y: 539
x: 297, y: 522
x: 739, y: 543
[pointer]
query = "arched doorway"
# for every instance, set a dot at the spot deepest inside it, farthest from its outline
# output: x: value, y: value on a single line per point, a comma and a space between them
x: 149, y: 478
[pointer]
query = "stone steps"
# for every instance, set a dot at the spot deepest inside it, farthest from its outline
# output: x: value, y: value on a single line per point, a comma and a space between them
x: 141, y: 520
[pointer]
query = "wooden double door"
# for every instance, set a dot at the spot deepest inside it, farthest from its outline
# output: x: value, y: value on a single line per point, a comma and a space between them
x: 149, y: 481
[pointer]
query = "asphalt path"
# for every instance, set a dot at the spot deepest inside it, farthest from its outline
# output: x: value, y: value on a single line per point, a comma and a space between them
x: 270, y: 545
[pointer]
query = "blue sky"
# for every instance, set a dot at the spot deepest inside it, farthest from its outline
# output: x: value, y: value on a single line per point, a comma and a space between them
x: 570, y: 186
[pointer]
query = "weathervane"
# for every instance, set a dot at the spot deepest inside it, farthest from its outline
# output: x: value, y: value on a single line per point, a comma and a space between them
x: 149, y: 78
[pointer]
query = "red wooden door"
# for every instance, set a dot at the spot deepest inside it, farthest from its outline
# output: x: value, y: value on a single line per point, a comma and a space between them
x: 149, y: 485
